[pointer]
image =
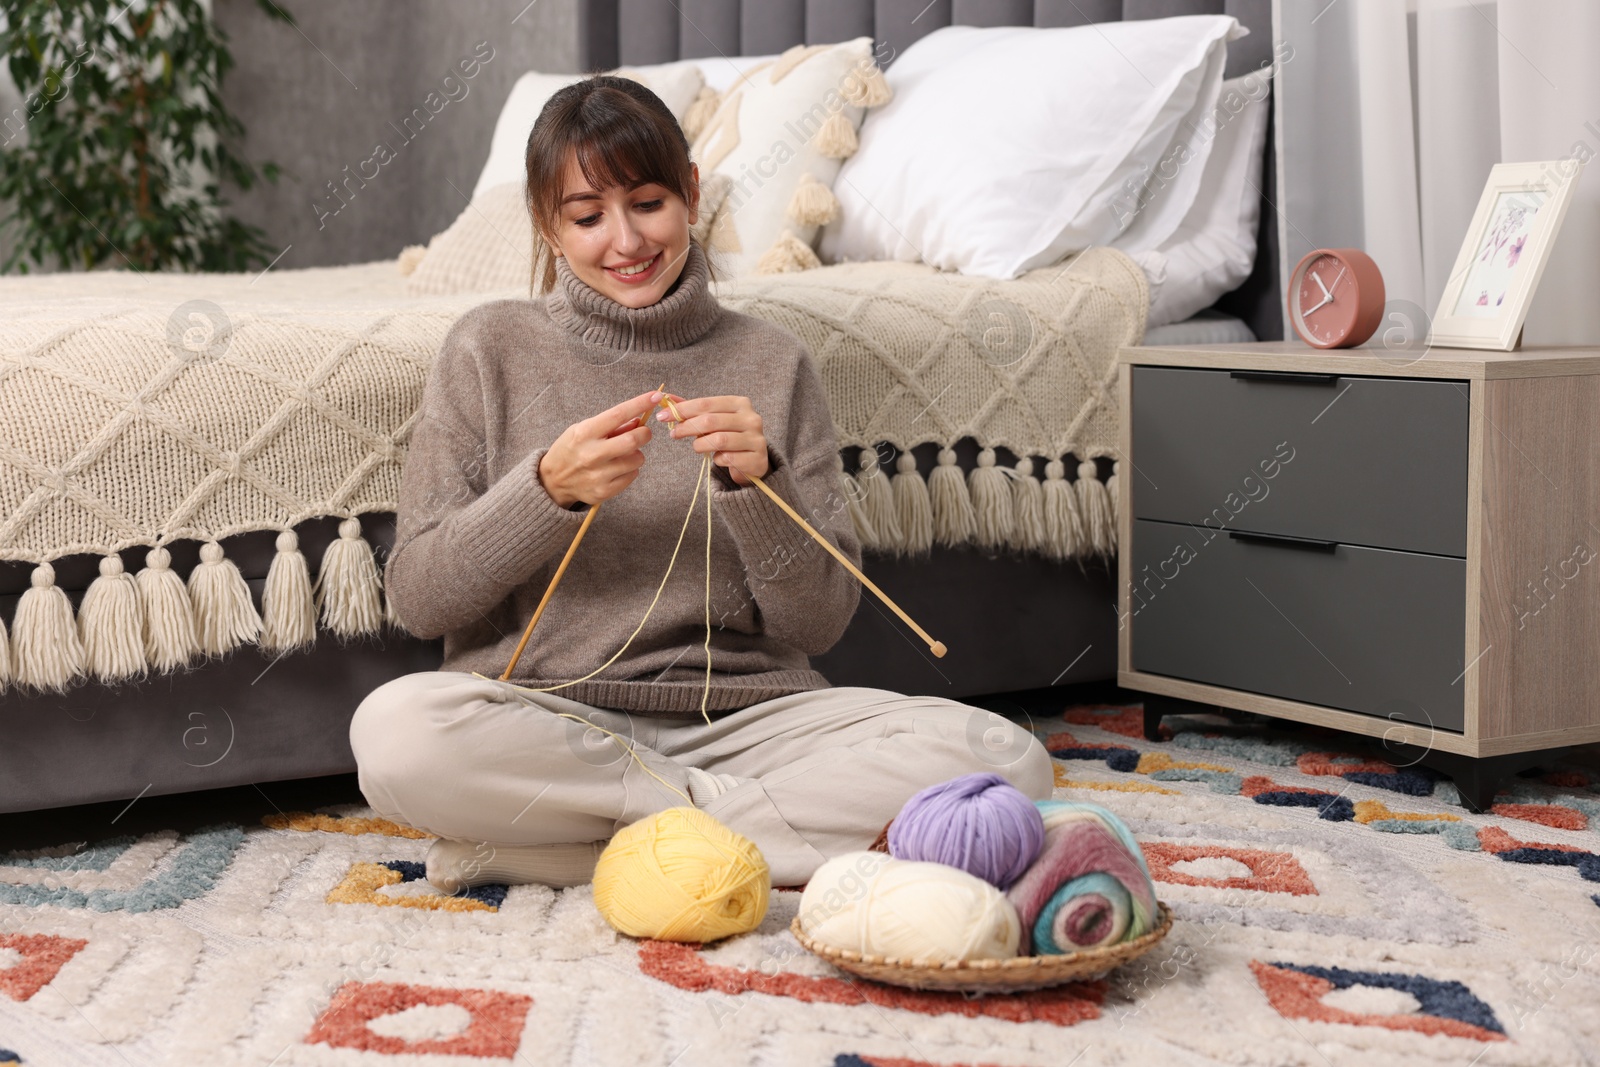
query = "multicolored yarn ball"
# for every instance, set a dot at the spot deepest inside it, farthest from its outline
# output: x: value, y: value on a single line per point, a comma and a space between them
x: 877, y: 905
x: 979, y: 823
x: 680, y: 875
x: 1089, y: 887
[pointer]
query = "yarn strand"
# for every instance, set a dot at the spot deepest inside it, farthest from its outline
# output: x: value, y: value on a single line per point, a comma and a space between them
x: 703, y: 479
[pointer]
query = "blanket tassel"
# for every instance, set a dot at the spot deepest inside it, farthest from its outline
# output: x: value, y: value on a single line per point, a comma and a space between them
x: 288, y: 614
x: 6, y: 676
x: 878, y: 501
x: 111, y: 623
x: 169, y: 637
x: 913, y: 508
x: 1095, y: 504
x: 224, y: 614
x: 390, y: 615
x: 347, y: 587
x: 954, y: 521
x: 1063, y: 529
x: 991, y: 499
x: 49, y: 653
x: 1027, y: 500
x: 858, y: 512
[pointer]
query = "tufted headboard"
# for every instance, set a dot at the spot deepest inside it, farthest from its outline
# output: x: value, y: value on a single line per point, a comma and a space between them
x: 617, y: 32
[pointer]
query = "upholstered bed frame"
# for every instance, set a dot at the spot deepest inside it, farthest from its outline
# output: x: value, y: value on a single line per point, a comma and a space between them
x: 1011, y: 623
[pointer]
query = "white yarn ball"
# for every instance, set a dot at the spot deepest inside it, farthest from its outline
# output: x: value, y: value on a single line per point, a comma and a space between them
x: 874, y: 904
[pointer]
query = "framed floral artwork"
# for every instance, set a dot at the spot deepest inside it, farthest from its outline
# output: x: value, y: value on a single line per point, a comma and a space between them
x: 1486, y: 298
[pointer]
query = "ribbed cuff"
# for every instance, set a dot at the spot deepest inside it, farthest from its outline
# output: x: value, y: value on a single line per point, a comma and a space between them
x: 515, y: 526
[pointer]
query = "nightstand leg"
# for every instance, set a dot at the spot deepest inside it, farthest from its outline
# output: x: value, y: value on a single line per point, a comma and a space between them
x: 1156, y: 707
x: 1476, y: 779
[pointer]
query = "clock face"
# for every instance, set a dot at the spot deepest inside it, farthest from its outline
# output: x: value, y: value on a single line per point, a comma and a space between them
x: 1326, y: 303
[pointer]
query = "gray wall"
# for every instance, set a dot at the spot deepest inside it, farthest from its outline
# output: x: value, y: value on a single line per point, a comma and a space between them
x: 319, y: 99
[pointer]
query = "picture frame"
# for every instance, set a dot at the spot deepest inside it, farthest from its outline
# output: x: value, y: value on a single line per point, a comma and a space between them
x: 1503, y: 255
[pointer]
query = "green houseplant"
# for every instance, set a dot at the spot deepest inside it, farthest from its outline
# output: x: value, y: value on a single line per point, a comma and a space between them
x: 127, y: 139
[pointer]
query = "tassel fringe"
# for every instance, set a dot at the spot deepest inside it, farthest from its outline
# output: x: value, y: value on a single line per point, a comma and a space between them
x: 993, y: 506
x: 1063, y: 529
x: 991, y: 499
x: 865, y: 87
x: 913, y: 509
x: 877, y: 500
x: 289, y: 614
x: 347, y: 588
x: 170, y: 640
x: 111, y: 624
x: 1094, y: 504
x: 1027, y: 508
x: 224, y: 614
x: 954, y: 520
x: 813, y: 204
x: 128, y: 624
x: 837, y: 137
x: 45, y: 643
x: 788, y: 253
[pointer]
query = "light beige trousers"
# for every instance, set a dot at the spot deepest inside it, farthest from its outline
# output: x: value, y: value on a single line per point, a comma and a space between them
x: 479, y: 760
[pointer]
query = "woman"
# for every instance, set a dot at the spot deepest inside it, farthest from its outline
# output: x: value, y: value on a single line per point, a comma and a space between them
x: 523, y: 430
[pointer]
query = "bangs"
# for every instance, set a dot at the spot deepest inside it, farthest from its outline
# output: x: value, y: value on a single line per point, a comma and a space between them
x: 623, y: 154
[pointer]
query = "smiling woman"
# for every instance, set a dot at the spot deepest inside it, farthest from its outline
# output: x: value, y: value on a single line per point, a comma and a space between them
x: 629, y: 241
x: 731, y: 719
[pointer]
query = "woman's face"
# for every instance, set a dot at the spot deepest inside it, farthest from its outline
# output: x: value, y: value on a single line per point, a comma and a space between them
x: 629, y: 244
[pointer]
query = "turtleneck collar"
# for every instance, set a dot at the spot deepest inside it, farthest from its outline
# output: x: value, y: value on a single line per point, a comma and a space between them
x: 678, y: 319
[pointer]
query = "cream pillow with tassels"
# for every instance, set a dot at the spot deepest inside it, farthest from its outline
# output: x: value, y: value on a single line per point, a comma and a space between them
x: 780, y: 134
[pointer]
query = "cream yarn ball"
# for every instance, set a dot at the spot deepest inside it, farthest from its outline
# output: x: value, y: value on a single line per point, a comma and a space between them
x: 874, y: 904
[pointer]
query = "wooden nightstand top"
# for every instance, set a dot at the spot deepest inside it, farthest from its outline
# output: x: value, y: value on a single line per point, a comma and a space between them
x: 1465, y: 363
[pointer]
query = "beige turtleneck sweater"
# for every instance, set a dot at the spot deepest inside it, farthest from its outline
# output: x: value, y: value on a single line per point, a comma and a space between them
x: 478, y: 538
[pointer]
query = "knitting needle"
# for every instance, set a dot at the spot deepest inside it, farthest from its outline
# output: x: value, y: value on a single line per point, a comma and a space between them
x: 936, y: 647
x: 572, y: 549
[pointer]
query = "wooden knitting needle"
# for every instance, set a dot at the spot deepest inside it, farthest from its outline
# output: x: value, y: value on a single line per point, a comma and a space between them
x: 936, y: 647
x: 577, y: 539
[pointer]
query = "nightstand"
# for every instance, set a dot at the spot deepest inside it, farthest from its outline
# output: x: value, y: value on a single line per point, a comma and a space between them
x: 1398, y: 546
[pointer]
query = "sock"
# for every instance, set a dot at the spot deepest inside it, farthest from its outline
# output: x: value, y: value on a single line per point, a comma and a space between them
x: 705, y: 786
x: 456, y: 865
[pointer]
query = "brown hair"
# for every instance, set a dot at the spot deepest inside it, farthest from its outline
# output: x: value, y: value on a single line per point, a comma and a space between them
x: 622, y: 134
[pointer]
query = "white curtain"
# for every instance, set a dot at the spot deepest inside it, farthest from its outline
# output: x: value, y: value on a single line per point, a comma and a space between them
x: 1390, y: 114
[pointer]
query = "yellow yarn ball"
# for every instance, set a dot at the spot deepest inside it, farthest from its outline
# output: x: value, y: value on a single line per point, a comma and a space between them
x: 681, y: 875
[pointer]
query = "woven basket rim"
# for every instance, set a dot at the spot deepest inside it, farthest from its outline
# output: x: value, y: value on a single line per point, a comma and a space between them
x: 1020, y: 968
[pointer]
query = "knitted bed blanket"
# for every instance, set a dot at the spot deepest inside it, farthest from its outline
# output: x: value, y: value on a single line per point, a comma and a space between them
x: 137, y: 409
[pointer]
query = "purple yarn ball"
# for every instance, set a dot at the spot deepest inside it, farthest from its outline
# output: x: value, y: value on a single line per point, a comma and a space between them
x: 980, y: 823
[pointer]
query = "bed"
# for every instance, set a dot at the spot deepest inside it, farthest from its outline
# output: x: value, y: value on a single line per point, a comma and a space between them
x: 336, y: 359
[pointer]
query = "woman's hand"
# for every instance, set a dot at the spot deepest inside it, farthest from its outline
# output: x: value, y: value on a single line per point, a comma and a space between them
x: 598, y: 458
x: 728, y: 428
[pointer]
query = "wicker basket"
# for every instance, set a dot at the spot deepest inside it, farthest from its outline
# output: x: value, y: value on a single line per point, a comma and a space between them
x: 1013, y: 975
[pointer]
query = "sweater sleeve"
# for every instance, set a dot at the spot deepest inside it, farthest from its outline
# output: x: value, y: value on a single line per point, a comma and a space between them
x: 803, y: 595
x: 462, y: 545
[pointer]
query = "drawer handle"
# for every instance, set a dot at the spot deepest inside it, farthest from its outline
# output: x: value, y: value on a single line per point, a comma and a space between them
x: 1284, y: 540
x: 1286, y: 376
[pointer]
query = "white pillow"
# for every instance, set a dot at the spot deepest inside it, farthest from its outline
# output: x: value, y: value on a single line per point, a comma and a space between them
x: 677, y: 84
x: 780, y: 133
x: 722, y: 71
x: 1004, y: 148
x: 1214, y: 249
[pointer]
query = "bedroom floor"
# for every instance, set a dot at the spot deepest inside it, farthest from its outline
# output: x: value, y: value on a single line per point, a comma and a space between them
x: 1331, y: 909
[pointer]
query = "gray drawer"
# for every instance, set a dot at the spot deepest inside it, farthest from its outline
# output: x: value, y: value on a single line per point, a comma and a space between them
x: 1366, y: 461
x: 1369, y: 630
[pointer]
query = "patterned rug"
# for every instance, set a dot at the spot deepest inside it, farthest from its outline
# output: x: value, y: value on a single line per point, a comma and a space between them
x: 1332, y: 908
